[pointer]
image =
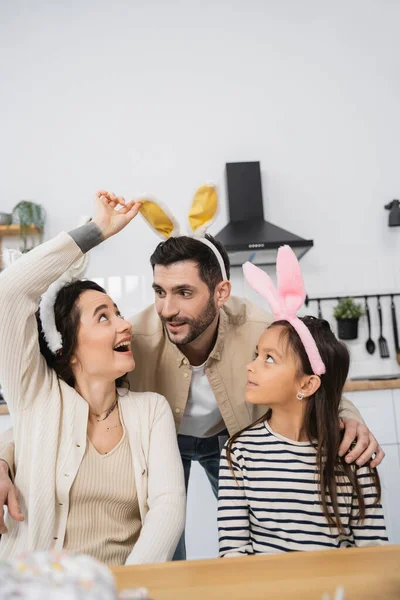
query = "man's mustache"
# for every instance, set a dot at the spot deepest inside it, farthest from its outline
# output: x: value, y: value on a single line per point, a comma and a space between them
x: 173, y: 320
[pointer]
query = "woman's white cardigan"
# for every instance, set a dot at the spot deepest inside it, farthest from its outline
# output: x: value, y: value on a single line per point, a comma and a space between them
x: 50, y: 422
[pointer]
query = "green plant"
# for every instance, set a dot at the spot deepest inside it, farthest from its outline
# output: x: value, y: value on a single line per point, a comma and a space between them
x: 348, y: 309
x: 27, y: 213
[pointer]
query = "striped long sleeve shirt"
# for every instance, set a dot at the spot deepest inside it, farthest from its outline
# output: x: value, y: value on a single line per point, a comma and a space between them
x: 274, y: 504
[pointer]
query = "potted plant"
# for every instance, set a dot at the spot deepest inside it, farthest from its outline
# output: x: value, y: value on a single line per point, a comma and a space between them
x: 27, y: 213
x: 347, y: 313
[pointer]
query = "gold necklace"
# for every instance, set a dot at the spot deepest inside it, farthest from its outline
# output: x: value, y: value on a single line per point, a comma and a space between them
x: 108, y: 412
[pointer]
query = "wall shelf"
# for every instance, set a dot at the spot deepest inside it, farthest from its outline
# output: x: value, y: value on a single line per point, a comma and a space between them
x: 14, y: 231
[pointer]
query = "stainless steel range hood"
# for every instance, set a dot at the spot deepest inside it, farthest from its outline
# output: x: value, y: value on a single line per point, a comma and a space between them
x: 247, y: 236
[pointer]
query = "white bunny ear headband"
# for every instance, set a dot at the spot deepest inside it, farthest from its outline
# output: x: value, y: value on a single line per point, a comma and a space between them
x: 46, y: 306
x: 201, y: 214
x: 286, y: 299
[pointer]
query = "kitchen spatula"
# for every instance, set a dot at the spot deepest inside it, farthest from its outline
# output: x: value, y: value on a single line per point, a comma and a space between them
x: 383, y: 345
x: 370, y: 344
x: 395, y: 330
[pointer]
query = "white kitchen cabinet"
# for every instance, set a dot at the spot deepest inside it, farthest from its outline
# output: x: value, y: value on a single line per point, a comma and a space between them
x: 201, y: 516
x: 396, y: 404
x: 389, y: 472
x: 5, y: 423
x: 380, y: 410
x: 377, y: 410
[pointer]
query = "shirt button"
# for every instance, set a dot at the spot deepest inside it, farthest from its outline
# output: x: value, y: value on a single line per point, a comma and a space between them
x: 78, y: 445
x: 56, y: 538
x: 186, y: 375
x: 66, y: 475
x: 185, y: 361
x: 177, y: 410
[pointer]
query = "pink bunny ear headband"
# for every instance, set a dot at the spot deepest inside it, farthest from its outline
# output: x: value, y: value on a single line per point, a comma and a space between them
x: 286, y: 299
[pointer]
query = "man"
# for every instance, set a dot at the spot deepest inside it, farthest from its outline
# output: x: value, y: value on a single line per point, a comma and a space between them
x: 192, y: 346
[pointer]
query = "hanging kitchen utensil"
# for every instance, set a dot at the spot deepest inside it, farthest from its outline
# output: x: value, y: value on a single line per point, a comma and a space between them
x: 383, y: 345
x: 319, y: 310
x: 395, y: 330
x: 370, y: 344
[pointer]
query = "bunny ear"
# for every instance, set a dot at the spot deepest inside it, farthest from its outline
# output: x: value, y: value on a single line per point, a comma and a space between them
x: 160, y: 219
x: 290, y: 280
x: 260, y: 281
x: 203, y: 210
x: 10, y: 256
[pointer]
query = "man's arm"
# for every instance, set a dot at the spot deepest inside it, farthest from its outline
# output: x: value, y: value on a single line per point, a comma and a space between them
x: 355, y: 430
x: 347, y: 410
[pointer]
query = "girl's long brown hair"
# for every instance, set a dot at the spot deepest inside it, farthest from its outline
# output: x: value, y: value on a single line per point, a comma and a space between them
x: 321, y: 423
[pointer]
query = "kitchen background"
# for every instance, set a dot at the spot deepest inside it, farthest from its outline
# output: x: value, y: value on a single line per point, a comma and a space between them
x: 156, y: 97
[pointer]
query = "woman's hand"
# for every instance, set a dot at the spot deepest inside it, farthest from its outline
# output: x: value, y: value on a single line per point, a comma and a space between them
x: 108, y: 218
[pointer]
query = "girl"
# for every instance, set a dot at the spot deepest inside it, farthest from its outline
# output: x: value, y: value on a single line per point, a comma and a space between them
x: 97, y: 467
x: 283, y: 486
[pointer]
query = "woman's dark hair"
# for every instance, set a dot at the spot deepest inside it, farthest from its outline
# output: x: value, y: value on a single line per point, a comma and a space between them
x: 178, y: 249
x: 321, y: 423
x: 67, y: 318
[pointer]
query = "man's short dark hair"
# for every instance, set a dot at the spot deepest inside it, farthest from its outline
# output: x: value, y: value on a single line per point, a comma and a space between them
x: 178, y: 249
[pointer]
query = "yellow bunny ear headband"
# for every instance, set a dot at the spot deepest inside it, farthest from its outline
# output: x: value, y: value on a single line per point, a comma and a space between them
x: 201, y: 214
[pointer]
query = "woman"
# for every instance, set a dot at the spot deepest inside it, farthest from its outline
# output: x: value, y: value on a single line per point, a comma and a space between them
x: 97, y: 467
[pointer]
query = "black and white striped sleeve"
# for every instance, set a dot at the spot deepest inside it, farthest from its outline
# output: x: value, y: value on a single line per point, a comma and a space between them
x: 233, y: 509
x: 371, y: 531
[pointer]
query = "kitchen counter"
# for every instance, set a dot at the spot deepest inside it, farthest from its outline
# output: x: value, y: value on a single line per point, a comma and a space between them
x: 351, y: 386
x: 363, y: 572
x: 372, y: 384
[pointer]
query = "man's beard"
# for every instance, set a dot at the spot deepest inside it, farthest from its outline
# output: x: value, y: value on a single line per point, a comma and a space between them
x: 196, y: 326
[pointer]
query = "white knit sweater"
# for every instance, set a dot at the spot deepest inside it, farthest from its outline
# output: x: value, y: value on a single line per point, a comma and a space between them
x: 50, y: 423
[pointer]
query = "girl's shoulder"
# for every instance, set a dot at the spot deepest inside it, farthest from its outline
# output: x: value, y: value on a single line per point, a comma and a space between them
x: 254, y: 434
x: 261, y: 438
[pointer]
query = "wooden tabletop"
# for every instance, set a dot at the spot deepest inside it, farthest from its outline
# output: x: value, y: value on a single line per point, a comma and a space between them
x: 365, y: 573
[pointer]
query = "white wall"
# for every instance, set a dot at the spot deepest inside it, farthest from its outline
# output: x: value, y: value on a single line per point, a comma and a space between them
x: 156, y: 96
